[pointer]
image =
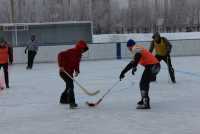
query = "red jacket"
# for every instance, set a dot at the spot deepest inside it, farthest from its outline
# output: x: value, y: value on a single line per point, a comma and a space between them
x: 6, y: 54
x: 147, y: 58
x: 70, y: 59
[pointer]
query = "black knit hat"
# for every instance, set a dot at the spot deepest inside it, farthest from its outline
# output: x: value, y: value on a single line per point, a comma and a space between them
x: 156, y: 34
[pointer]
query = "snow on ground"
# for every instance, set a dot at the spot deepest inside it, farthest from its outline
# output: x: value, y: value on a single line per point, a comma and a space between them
x: 31, y: 105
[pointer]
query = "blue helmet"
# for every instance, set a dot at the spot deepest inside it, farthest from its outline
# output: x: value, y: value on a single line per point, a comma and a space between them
x: 130, y: 43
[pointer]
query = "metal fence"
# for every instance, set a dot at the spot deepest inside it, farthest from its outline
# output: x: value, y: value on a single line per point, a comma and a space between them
x: 52, y: 33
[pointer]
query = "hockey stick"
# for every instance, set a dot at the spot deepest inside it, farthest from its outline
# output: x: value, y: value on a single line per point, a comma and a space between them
x: 81, y: 87
x: 90, y: 104
x: 168, y: 69
x: 171, y: 73
x: 2, y: 83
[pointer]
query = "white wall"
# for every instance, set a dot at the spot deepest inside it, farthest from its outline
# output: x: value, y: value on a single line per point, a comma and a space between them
x: 45, y: 54
x: 184, y: 44
x: 49, y: 53
x: 106, y: 51
x: 144, y: 36
x: 189, y: 47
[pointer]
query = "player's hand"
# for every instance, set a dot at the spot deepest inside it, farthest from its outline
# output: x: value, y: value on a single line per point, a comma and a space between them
x: 11, y: 62
x: 76, y: 74
x: 121, y: 76
x: 134, y: 70
x: 61, y: 69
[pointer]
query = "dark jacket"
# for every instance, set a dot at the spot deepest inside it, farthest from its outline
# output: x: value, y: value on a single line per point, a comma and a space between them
x: 160, y: 49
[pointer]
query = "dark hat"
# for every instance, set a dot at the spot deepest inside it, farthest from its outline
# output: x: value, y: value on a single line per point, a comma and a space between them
x: 130, y: 43
x: 156, y: 34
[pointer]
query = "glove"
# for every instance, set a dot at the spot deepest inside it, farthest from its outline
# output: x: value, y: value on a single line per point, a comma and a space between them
x: 168, y: 52
x: 76, y: 74
x: 11, y: 62
x: 121, y: 76
x: 134, y: 70
x: 61, y: 69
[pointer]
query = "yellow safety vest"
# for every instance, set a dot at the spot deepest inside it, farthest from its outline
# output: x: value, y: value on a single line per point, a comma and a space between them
x: 160, y: 48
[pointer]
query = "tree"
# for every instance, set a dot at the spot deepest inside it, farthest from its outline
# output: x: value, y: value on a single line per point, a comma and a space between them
x: 101, y: 15
x: 108, y: 16
x: 4, y: 9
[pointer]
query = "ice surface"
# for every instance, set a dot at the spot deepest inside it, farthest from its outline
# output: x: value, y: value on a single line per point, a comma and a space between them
x: 31, y: 105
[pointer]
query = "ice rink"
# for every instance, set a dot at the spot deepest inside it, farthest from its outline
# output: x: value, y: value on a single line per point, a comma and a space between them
x: 31, y: 104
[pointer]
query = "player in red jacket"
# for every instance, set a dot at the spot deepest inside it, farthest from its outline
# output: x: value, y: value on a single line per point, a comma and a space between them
x: 69, y: 61
x: 6, y: 58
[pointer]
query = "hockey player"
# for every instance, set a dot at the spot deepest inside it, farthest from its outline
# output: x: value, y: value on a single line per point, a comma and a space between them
x: 68, y: 62
x: 32, y: 51
x: 6, y: 56
x: 142, y: 56
x: 162, y: 49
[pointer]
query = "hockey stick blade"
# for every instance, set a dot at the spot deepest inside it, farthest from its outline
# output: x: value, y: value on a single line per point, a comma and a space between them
x: 95, y: 104
x: 90, y: 104
x: 92, y: 94
x: 81, y: 87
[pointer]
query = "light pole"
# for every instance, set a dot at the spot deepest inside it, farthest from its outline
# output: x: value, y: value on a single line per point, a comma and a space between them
x: 12, y: 20
x: 12, y: 12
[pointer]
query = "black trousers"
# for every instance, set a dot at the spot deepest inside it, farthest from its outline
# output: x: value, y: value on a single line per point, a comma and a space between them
x: 68, y: 95
x: 149, y: 72
x: 5, y: 69
x: 31, y: 57
x: 167, y: 60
